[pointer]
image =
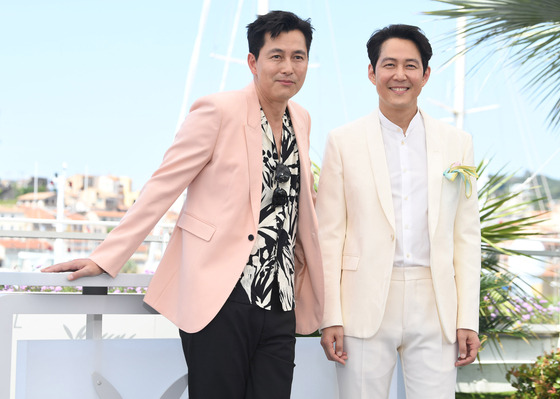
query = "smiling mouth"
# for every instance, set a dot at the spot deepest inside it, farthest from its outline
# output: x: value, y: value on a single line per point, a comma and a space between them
x: 399, y: 89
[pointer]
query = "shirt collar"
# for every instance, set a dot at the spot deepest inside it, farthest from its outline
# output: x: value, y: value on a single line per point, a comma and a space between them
x: 286, y: 122
x: 416, y: 122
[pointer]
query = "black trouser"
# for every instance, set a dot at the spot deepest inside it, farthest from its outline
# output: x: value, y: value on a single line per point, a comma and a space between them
x: 245, y: 352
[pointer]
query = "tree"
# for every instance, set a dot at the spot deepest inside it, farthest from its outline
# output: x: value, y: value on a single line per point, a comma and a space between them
x: 528, y: 29
x: 506, y: 302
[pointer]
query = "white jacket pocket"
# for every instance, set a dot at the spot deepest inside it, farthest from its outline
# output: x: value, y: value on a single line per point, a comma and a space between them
x: 350, y: 262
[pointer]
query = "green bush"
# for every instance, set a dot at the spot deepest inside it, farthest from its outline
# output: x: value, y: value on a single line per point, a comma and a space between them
x: 538, y: 380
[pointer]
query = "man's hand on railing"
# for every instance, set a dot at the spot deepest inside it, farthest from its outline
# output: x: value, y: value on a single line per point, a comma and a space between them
x: 81, y: 268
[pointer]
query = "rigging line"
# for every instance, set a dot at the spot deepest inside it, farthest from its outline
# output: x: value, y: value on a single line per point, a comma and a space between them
x: 231, y: 43
x: 530, y: 145
x: 262, y: 7
x: 336, y: 63
x: 190, y: 78
x: 193, y: 63
x: 459, y: 95
x: 550, y: 158
x: 500, y: 62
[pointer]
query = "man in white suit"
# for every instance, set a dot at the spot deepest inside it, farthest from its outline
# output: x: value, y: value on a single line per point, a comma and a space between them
x: 399, y: 236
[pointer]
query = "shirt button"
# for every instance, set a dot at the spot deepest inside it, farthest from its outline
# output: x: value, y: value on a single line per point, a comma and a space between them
x: 251, y: 237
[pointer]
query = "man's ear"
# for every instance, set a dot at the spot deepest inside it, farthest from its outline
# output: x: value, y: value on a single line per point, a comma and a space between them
x: 371, y: 74
x: 252, y: 62
x: 426, y: 76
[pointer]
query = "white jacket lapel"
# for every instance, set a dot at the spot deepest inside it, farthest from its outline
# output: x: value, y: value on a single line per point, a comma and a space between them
x: 434, y: 143
x: 379, y: 168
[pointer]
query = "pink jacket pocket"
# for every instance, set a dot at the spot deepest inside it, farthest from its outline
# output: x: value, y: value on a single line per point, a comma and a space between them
x: 196, y: 226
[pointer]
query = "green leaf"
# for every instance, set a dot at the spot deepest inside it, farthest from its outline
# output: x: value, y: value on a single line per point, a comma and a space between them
x: 528, y: 32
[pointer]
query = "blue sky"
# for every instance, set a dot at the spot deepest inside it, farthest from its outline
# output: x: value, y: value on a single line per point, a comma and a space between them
x: 99, y: 84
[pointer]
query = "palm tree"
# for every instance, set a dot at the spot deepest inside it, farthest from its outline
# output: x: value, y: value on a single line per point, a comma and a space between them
x: 528, y: 29
x: 504, y: 298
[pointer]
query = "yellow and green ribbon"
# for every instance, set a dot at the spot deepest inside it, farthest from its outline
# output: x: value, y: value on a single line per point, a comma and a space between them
x: 465, y: 172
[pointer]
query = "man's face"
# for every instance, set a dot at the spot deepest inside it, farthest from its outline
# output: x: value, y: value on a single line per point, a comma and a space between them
x: 281, y: 67
x: 398, y: 76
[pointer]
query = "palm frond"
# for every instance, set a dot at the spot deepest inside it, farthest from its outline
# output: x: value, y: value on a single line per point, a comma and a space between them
x: 506, y: 301
x: 528, y: 29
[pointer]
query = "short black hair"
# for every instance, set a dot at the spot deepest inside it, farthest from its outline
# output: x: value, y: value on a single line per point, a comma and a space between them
x: 407, y: 32
x: 276, y: 22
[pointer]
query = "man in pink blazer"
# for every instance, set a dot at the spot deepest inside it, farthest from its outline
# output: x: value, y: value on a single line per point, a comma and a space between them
x: 400, y: 236
x: 242, y: 271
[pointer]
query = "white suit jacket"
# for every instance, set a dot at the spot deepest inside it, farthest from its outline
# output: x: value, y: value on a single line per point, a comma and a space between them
x: 357, y: 228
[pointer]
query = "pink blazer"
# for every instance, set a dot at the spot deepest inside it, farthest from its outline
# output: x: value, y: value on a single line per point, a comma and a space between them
x: 217, y: 154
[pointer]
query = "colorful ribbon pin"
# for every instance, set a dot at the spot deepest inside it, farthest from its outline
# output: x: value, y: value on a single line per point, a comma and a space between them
x: 465, y: 172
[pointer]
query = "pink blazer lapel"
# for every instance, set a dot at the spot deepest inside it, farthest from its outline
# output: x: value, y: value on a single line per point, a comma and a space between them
x: 253, y: 139
x: 301, y: 132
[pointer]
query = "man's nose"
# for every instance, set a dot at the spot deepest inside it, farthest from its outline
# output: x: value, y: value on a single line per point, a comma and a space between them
x: 400, y: 73
x: 287, y: 67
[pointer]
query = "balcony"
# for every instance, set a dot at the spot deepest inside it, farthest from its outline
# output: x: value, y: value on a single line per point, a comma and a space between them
x: 104, y: 343
x: 101, y: 343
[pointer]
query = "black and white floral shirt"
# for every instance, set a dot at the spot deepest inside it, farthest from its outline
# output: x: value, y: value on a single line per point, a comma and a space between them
x: 272, y: 258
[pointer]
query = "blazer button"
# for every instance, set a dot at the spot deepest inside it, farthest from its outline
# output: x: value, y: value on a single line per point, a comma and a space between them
x: 251, y: 237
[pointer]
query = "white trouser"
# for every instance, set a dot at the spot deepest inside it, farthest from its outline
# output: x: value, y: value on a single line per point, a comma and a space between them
x: 410, y: 327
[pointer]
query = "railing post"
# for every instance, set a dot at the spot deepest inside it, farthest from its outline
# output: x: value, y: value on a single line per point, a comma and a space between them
x: 94, y: 322
x: 6, y: 326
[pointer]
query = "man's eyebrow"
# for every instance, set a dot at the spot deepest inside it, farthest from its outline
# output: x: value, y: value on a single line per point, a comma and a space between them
x: 387, y: 59
x: 394, y: 60
x: 276, y: 50
x: 279, y: 50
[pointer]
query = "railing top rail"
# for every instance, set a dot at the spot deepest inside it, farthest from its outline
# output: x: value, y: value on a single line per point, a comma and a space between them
x: 551, y: 254
x: 73, y: 222
x: 68, y: 235
x: 61, y: 279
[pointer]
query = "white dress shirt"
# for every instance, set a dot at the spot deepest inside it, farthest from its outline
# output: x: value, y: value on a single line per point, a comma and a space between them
x: 408, y: 170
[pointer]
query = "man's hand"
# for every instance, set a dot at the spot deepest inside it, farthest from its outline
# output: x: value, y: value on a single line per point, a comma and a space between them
x: 331, y: 341
x: 80, y: 267
x: 468, y: 346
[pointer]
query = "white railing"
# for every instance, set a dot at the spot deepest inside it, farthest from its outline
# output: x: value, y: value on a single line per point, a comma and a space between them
x: 90, y: 303
x: 56, y: 238
x: 95, y: 375
x: 91, y: 376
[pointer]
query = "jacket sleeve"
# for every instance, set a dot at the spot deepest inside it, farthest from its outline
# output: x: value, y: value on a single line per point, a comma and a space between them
x: 191, y: 150
x: 331, y: 215
x: 467, y: 253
